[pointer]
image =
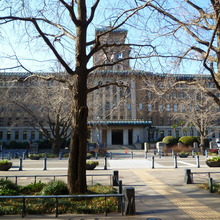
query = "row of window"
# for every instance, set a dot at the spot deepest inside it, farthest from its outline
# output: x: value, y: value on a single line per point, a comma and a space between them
x: 15, y: 135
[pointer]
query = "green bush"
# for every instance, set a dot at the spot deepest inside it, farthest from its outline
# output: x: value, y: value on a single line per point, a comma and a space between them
x: 170, y: 140
x: 188, y: 140
x: 57, y: 187
x: 32, y: 188
x: 8, y: 188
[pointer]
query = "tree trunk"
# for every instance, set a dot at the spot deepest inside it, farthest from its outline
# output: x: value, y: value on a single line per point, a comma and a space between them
x: 77, y: 157
x: 202, y: 143
x: 56, y: 145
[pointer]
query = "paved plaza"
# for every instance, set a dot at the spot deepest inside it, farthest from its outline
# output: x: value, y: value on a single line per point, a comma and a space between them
x: 160, y: 193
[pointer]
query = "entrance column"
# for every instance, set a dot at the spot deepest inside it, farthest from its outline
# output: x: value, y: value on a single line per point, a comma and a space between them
x: 125, y: 137
x: 109, y: 137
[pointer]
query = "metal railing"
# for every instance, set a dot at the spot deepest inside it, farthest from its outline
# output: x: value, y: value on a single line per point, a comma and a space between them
x: 57, y: 197
x: 54, y: 177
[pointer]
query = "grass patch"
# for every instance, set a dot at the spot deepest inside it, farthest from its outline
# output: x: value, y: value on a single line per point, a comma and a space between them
x: 215, y: 187
x: 48, y: 206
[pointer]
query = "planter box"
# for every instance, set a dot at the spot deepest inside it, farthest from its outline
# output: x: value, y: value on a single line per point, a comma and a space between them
x: 35, y: 158
x: 183, y: 155
x: 213, y: 164
x: 90, y: 166
x: 5, y: 167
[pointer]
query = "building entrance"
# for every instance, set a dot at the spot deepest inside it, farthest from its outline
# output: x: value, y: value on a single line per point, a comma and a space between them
x: 117, y: 137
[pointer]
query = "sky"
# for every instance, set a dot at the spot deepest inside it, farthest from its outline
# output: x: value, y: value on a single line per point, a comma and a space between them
x: 34, y: 55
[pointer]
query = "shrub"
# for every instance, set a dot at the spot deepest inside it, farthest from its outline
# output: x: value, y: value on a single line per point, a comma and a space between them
x: 214, y: 159
x: 8, y: 188
x: 57, y: 187
x: 170, y: 140
x: 4, y: 162
x: 188, y: 140
x: 33, y: 188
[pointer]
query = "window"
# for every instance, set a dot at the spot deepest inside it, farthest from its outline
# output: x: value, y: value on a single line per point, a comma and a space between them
x: 174, y: 95
x: 167, y: 96
x: 168, y: 108
x: 149, y: 95
x: 160, y: 108
x: 129, y: 106
x: 213, y: 134
x: 161, y: 134
x: 160, y: 121
x: 182, y: 108
x: 149, y: 107
x: 169, y: 133
x: 177, y: 133
x: 9, y: 121
x: 169, y: 121
x: 175, y: 108
x: 1, y: 121
x: 107, y: 106
x: 140, y: 106
x: 150, y: 119
x: 1, y: 135
x: 16, y: 135
x: 32, y: 135
x: 24, y: 135
x: 40, y: 136
x: 8, y: 135
x: 182, y: 95
x: 122, y: 106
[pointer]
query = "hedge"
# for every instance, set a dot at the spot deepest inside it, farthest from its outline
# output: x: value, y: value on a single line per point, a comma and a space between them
x: 170, y: 140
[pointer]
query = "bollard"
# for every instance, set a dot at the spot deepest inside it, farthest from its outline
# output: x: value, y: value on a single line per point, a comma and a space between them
x: 129, y: 193
x: 159, y: 154
x: 175, y: 161
x: 120, y: 187
x: 115, y: 178
x: 173, y: 154
x: 131, y: 154
x: 20, y: 166
x: 45, y: 154
x: 155, y: 152
x: 105, y: 163
x: 60, y: 157
x: 206, y: 153
x: 193, y: 154
x: 210, y: 185
x: 23, y: 155
x: 145, y: 155
x: 219, y: 153
x: 110, y: 155
x: 197, y: 161
x: 45, y: 163
x: 188, y: 177
x: 152, y: 162
x: 96, y: 155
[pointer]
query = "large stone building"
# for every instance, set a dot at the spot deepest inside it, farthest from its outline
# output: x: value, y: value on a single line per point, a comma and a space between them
x: 119, y: 115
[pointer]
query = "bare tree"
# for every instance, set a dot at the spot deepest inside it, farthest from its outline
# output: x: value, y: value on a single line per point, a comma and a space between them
x: 45, y: 106
x: 59, y: 22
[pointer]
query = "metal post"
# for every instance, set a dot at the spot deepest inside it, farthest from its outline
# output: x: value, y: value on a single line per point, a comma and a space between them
x: 159, y: 154
x: 45, y: 163
x: 45, y: 154
x: 110, y: 155
x: 115, y: 178
x: 23, y: 208
x: 197, y: 160
x: 9, y: 156
x: 96, y: 155
x: 120, y: 187
x: 60, y: 156
x: 20, y: 166
x: 210, y: 185
x: 105, y: 164
x: 152, y: 162
x: 23, y: 155
x: 131, y: 154
x: 188, y: 177
x: 175, y: 161
x: 173, y: 154
x: 145, y: 155
x: 193, y: 154
x: 206, y: 153
x: 129, y: 193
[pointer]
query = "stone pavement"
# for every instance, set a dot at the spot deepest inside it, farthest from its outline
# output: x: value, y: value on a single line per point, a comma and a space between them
x: 160, y: 192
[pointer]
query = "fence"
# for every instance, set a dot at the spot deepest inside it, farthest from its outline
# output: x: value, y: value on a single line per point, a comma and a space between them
x: 56, y: 176
x: 57, y: 197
